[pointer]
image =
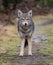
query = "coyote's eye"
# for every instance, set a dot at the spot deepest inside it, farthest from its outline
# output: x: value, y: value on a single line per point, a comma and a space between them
x: 27, y: 19
x: 22, y: 18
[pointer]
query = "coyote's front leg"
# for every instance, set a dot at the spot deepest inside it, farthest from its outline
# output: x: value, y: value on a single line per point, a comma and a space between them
x: 29, y: 47
x: 22, y: 47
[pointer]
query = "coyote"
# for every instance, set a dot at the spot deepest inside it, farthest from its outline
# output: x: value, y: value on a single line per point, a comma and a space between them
x: 25, y: 30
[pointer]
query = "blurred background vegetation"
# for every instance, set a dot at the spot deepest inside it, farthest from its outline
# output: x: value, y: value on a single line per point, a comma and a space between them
x: 14, y: 4
x: 10, y: 7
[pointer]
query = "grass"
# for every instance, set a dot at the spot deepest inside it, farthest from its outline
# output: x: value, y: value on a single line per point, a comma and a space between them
x: 42, y: 17
x: 9, y: 40
x: 49, y: 45
x: 48, y: 30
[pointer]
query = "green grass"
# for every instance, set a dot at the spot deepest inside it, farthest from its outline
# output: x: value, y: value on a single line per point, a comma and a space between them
x: 47, y: 30
x: 9, y: 40
x: 49, y: 45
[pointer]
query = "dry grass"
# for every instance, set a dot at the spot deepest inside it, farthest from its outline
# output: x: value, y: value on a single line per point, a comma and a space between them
x: 42, y: 17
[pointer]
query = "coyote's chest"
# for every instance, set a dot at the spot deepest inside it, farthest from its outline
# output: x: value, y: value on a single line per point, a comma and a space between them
x: 25, y: 29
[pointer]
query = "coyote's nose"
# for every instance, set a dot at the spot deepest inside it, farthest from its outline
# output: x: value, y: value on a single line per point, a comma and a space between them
x: 25, y: 24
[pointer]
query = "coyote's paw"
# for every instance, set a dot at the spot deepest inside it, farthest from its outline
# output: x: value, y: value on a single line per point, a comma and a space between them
x: 21, y: 55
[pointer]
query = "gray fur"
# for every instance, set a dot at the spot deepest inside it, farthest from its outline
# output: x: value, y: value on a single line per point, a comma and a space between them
x: 25, y: 30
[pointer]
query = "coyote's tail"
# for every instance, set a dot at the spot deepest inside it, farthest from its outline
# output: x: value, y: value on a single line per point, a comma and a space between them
x: 26, y: 43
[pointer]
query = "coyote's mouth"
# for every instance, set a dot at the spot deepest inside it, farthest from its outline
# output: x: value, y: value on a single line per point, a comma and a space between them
x: 25, y: 28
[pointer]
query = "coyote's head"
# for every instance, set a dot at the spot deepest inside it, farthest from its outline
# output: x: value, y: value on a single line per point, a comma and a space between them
x: 25, y: 18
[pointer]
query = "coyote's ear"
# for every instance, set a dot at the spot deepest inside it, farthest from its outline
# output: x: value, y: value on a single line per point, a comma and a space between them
x: 19, y: 13
x: 30, y: 13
